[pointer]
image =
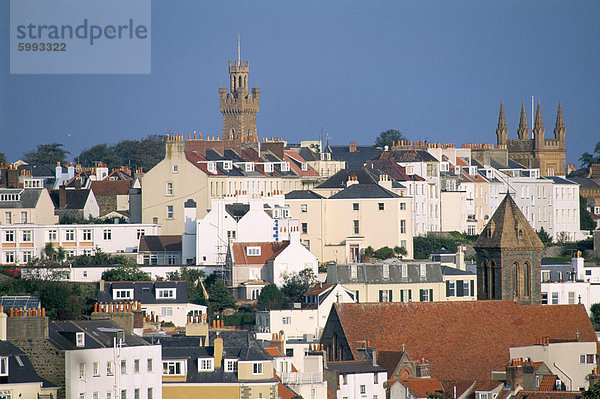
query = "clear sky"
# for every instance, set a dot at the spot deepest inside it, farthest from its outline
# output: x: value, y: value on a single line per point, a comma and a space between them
x: 436, y: 70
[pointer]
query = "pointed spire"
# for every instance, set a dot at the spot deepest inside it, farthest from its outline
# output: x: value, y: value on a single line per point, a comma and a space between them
x: 501, y: 118
x: 538, y: 118
x: 523, y: 130
x: 559, y: 129
x: 538, y: 129
x: 501, y: 130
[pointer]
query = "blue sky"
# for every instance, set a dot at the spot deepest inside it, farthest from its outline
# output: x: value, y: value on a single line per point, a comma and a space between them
x: 436, y: 70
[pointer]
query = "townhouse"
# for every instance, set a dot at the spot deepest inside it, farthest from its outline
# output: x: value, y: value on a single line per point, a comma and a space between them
x: 26, y: 206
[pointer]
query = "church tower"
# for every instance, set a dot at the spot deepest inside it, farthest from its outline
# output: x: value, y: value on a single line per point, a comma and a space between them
x: 509, y: 255
x: 239, y: 108
x: 539, y: 131
x: 502, y: 130
x: 559, y: 129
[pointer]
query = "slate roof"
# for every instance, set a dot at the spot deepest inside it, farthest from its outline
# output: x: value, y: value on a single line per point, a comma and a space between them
x: 471, y: 338
x: 111, y: 187
x: 393, y: 170
x: 355, y: 367
x: 268, y: 251
x: 453, y: 271
x: 560, y: 180
x: 98, y: 334
x: 76, y: 199
x: 20, y: 369
x: 162, y: 243
x: 303, y: 194
x: 29, y: 198
x: 584, y: 182
x: 339, y: 179
x: 145, y: 291
x: 408, y: 156
x: 237, y: 211
x: 372, y: 273
x: 354, y: 160
x: 502, y: 231
x: 364, y: 191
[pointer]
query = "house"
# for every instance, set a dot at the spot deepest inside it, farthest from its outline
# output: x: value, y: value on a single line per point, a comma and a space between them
x: 159, y: 250
x: 74, y: 203
x: 399, y: 281
x: 219, y: 364
x: 412, y: 327
x: 166, y: 299
x: 26, y: 206
x: 112, y: 196
x: 304, y: 320
x: 88, y: 358
x: 356, y: 379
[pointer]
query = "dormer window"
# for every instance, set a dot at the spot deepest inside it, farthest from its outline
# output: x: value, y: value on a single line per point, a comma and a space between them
x: 444, y: 167
x: 285, y: 166
x: 165, y: 293
x: 304, y: 166
x: 231, y: 365
x: 269, y: 167
x: 123, y: 294
x: 80, y: 339
x: 325, y: 156
x: 4, y: 366
x: 423, y: 270
x: 227, y: 165
x: 410, y: 170
x: 249, y: 167
x: 206, y: 364
x: 253, y: 251
x: 212, y: 167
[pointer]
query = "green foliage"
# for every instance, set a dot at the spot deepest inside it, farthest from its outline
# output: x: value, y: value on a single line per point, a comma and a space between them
x: 220, y: 297
x: 426, y: 245
x: 595, y: 317
x: 271, y: 297
x: 240, y: 319
x: 67, y: 219
x: 439, y: 395
x: 588, y: 159
x: 544, y: 236
x: 3, y: 158
x: 47, y: 154
x: 62, y: 299
x: 593, y: 392
x: 368, y: 251
x: 297, y: 284
x: 384, y: 253
x: 400, y: 250
x: 585, y: 217
x: 192, y: 278
x: 50, y: 256
x: 143, y: 153
x: 127, y: 272
x: 388, y: 138
x: 100, y: 257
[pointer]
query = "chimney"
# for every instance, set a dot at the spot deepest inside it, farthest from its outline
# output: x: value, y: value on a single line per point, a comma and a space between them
x: 278, y: 341
x: 423, y: 369
x: 578, y: 265
x: 62, y: 197
x: 514, y: 373
x: 218, y: 350
x: 3, y: 317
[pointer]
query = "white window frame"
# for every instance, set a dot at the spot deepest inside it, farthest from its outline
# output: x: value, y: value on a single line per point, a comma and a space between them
x: 231, y: 365
x: 253, y: 251
x: 257, y: 368
x: 165, y: 293
x: 107, y: 234
x: 80, y: 339
x: 86, y: 235
x: 176, y: 364
x: 4, y: 366
x: 206, y: 364
x: 169, y: 189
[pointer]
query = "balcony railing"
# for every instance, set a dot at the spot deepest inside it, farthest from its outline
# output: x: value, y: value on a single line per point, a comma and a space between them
x: 301, y: 378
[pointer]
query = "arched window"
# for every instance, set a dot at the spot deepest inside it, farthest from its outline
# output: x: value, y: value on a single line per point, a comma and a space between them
x: 516, y: 275
x: 520, y: 233
x: 240, y: 81
x: 232, y: 133
x: 245, y: 80
x: 493, y: 280
x: 485, y: 277
x: 527, y: 279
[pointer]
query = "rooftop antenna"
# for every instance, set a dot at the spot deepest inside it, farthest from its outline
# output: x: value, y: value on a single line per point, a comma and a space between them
x: 239, y: 53
x: 532, y: 133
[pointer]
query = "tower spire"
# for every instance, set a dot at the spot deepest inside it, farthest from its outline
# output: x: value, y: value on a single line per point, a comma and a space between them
x: 239, y: 50
x: 559, y: 129
x: 538, y: 129
x: 501, y: 130
x: 523, y: 130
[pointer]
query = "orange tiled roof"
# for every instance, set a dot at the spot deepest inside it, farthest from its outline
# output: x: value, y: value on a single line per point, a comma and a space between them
x: 549, y: 395
x: 111, y: 187
x: 422, y: 387
x: 274, y: 352
x: 548, y: 382
x: 471, y: 338
x: 268, y: 251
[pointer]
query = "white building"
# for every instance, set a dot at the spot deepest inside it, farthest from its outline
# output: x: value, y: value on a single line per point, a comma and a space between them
x: 23, y: 242
x: 358, y: 379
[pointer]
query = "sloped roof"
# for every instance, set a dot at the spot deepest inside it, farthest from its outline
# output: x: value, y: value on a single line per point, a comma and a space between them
x: 549, y: 395
x: 584, y: 182
x: 98, y: 334
x: 29, y: 198
x: 19, y: 366
x: 163, y: 243
x: 422, y: 387
x: 145, y: 291
x: 393, y: 170
x: 408, y: 156
x: 354, y: 367
x: 355, y: 159
x: 303, y: 194
x: 508, y: 229
x: 364, y: 191
x: 338, y: 180
x: 268, y: 251
x: 111, y: 187
x: 76, y: 199
x: 547, y: 383
x: 471, y: 338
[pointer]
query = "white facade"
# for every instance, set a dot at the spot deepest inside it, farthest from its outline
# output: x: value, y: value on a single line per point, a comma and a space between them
x: 292, y: 260
x: 361, y: 385
x: 308, y: 383
x: 175, y: 313
x: 96, y: 373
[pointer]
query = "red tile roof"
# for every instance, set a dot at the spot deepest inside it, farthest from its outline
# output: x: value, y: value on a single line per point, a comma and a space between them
x: 471, y: 338
x: 268, y: 251
x: 318, y: 289
x: 422, y: 387
x: 111, y: 187
x: 274, y: 352
x: 548, y: 382
x: 292, y: 156
x: 548, y: 395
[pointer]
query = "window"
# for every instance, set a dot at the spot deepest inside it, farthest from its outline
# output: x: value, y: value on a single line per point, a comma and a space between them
x: 123, y: 294
x: 375, y: 378
x: 96, y: 395
x: 304, y: 208
x: 107, y: 234
x: 136, y: 365
x: 166, y: 311
x: 109, y: 395
x: 136, y: 393
x: 150, y: 393
x: 81, y: 370
x: 9, y: 236
x: 426, y: 295
x: 9, y: 257
x: 404, y: 270
x: 587, y: 359
x: 363, y: 389
x: 545, y: 276
x: 169, y: 189
x: 286, y: 320
x: 356, y: 227
x: 231, y: 365
x: 353, y: 271
x: 27, y: 256
x: 4, y: 366
x: 165, y: 293
x: 304, y: 228
x: 402, y: 206
x: 206, y: 364
x: 175, y: 168
x: 80, y: 339
x: 109, y: 368
x: 69, y: 235
x: 555, y: 298
x: 385, y: 295
x: 422, y: 270
x: 405, y: 295
x: 571, y: 297
x: 381, y: 206
x: 403, y: 226
x: 169, y: 211
x: 96, y: 369
x: 82, y: 396
x: 149, y: 365
x: 123, y: 366
x: 344, y: 379
x: 7, y: 217
x: 139, y: 233
x: 450, y: 288
x: 87, y: 235
x: 355, y: 206
x: 385, y: 271
x: 24, y: 217
x: 52, y: 235
x: 253, y: 251
x: 257, y: 368
x: 227, y: 165
x: 544, y: 298
x: 123, y: 393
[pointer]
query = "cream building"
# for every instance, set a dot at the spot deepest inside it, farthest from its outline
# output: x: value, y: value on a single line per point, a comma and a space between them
x: 23, y: 206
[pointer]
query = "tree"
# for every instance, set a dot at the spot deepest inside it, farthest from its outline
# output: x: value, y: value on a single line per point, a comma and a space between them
x: 192, y: 278
x: 588, y: 159
x: 585, y: 217
x: 220, y: 298
x: 544, y: 236
x: 126, y: 272
x: 595, y: 310
x: 384, y: 253
x: 388, y: 138
x: 3, y: 158
x: 100, y: 153
x: 297, y: 284
x: 270, y: 297
x: 400, y: 250
x: 593, y: 392
x: 47, y: 154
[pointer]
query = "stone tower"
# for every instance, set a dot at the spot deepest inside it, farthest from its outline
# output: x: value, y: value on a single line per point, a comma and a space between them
x: 546, y: 154
x: 509, y: 257
x: 239, y: 108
